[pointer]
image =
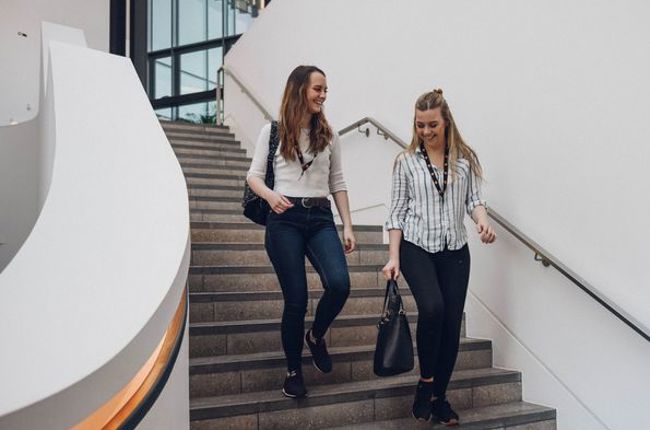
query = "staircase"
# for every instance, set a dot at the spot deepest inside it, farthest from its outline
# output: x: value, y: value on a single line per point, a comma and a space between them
x: 236, y: 362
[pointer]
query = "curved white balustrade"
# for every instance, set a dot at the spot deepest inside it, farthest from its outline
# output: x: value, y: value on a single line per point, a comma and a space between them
x: 87, y: 298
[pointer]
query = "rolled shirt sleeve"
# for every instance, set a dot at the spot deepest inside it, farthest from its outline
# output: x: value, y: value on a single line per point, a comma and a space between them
x: 258, y: 165
x: 336, y: 179
x: 474, y: 195
x: 399, y: 196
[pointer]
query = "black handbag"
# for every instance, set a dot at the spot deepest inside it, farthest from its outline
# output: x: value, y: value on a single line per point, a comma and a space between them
x: 394, y: 350
x: 256, y: 208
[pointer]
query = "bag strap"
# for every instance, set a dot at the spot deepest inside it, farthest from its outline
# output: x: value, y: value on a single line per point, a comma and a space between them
x: 274, y: 142
x: 391, y: 285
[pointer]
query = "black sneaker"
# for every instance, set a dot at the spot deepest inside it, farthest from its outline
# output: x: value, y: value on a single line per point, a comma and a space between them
x: 442, y: 410
x: 422, y: 401
x: 294, y: 386
x: 319, y: 355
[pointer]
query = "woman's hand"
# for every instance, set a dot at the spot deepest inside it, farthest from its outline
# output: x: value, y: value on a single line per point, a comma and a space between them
x: 349, y: 241
x: 391, y: 269
x: 485, y: 231
x: 278, y: 202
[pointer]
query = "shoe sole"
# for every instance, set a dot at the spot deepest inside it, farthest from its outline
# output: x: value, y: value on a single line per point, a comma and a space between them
x: 420, y: 419
x: 292, y: 396
x: 318, y: 368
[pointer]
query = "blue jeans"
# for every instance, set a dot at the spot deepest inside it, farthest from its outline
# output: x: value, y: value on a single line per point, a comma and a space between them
x: 291, y: 236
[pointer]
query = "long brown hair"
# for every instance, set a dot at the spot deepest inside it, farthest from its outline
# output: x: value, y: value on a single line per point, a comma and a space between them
x: 292, y: 109
x: 457, y: 146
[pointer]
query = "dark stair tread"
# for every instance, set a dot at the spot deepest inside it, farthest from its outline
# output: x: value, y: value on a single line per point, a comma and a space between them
x: 237, y: 246
x: 255, y: 360
x: 249, y: 296
x: 260, y: 401
x: 221, y: 225
x: 268, y: 269
x: 188, y: 157
x: 248, y: 326
x: 482, y: 418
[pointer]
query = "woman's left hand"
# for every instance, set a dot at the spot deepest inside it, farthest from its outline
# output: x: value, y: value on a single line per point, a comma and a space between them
x: 349, y: 242
x: 485, y: 231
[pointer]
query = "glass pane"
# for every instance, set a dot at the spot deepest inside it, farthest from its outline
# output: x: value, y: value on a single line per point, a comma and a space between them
x: 164, y: 114
x: 160, y: 24
x: 239, y: 17
x: 203, y: 113
x: 230, y: 18
x: 192, y: 21
x: 243, y: 20
x: 215, y: 60
x: 194, y: 72
x: 163, y: 77
x: 215, y: 9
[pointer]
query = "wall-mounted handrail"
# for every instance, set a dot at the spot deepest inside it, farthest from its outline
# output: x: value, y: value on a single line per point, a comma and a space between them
x: 541, y: 255
x: 224, y: 70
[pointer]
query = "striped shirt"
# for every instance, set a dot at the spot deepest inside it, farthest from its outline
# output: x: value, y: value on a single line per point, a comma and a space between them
x: 416, y: 206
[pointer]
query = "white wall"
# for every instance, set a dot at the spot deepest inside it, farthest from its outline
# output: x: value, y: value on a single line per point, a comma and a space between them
x: 19, y: 157
x: 553, y: 97
x: 19, y: 67
x: 89, y: 295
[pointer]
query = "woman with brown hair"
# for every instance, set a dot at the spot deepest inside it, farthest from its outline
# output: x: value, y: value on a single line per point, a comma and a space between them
x: 307, y: 168
x: 435, y: 181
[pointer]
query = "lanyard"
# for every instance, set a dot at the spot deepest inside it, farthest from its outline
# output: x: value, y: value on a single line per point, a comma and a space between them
x: 304, y: 166
x: 441, y: 191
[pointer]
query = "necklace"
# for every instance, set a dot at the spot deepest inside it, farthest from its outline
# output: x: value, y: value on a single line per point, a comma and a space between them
x: 445, y: 174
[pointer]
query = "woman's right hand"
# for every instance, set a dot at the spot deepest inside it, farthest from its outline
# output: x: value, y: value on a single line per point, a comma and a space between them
x: 278, y: 202
x: 391, y: 269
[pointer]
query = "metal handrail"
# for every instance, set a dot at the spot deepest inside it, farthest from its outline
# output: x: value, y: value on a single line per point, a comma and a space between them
x: 541, y: 255
x: 224, y: 70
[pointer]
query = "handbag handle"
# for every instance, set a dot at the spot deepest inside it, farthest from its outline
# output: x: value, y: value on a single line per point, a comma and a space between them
x: 391, y: 290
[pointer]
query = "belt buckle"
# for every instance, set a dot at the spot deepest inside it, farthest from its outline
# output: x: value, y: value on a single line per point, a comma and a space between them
x: 304, y: 201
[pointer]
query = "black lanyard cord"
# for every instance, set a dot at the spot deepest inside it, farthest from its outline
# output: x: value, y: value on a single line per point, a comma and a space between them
x: 445, y: 174
x: 304, y: 166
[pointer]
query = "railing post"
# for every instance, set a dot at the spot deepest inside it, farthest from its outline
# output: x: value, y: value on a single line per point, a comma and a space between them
x: 219, y: 117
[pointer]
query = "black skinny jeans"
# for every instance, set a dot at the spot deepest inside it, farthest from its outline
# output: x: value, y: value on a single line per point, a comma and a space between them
x: 438, y: 282
x: 291, y: 236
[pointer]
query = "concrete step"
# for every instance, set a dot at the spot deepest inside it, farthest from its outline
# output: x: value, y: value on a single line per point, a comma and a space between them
x: 214, y: 163
x: 348, y: 403
x: 215, y: 186
x: 253, y: 336
x: 191, y: 151
x: 249, y: 232
x: 232, y: 192
x: 236, y: 374
x: 221, y: 145
x: 193, y: 127
x: 209, y: 253
x: 206, y: 202
x: 263, y: 278
x: 213, y: 172
x: 241, y: 306
x: 216, y: 182
x: 212, y: 216
x: 199, y: 137
x: 505, y: 416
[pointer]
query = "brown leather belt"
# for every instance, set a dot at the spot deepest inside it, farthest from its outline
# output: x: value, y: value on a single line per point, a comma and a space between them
x: 310, y: 202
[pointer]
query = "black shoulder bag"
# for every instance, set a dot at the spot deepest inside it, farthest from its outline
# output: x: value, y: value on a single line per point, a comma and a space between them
x: 394, y: 350
x: 256, y: 208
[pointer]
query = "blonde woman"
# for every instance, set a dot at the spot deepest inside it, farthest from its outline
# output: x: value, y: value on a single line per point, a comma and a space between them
x: 307, y: 168
x: 435, y: 181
